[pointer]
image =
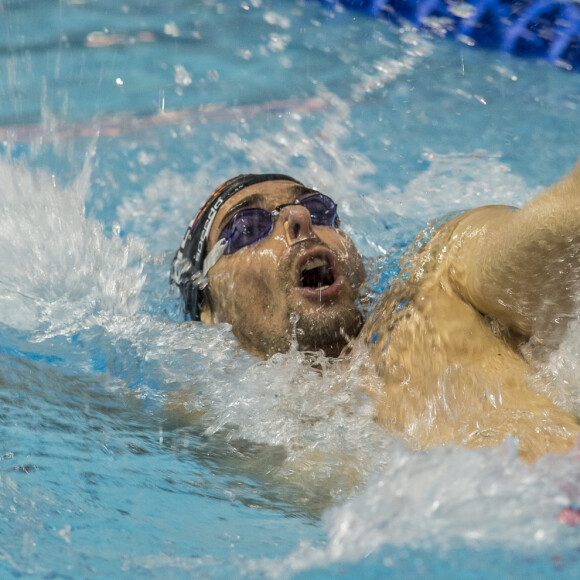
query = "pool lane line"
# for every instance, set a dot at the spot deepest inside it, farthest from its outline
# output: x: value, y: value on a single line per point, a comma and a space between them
x: 122, y: 123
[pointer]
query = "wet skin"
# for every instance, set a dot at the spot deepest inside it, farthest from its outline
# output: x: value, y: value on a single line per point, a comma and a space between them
x: 455, y: 347
x: 260, y: 289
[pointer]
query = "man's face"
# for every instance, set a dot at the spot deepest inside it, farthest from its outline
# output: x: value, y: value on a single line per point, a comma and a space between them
x: 297, y: 283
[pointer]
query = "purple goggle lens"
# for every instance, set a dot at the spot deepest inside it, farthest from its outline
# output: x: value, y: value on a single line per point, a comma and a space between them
x: 251, y: 225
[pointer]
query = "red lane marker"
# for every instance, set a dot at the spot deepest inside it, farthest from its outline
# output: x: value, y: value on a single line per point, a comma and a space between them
x: 570, y: 516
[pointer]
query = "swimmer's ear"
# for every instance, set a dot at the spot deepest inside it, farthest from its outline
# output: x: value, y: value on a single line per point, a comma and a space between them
x: 206, y: 314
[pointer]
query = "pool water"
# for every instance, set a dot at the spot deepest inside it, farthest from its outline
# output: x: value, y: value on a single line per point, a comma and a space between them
x: 137, y: 444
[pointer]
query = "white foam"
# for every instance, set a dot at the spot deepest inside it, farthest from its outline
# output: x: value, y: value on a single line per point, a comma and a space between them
x: 563, y: 371
x: 56, y: 266
x: 316, y: 413
x: 446, y: 499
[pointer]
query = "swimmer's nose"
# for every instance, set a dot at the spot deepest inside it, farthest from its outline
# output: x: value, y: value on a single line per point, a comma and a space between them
x: 296, y: 222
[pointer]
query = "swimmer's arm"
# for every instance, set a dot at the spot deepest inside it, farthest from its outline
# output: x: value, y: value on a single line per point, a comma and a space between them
x: 523, y: 267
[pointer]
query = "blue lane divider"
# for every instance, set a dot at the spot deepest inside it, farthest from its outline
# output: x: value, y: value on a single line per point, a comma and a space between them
x: 533, y: 28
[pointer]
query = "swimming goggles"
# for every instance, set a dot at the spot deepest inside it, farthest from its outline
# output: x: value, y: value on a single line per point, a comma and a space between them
x: 251, y: 225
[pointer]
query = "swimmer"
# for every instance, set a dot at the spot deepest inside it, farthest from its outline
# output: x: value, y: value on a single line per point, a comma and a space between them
x: 453, y: 348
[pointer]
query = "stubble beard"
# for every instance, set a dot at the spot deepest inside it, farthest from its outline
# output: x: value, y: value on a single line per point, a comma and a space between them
x: 329, y: 329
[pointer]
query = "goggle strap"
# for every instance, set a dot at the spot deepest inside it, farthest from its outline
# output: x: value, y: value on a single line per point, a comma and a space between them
x: 212, y: 257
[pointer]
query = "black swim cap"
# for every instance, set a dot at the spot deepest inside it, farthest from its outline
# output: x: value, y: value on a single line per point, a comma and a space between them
x: 187, y: 266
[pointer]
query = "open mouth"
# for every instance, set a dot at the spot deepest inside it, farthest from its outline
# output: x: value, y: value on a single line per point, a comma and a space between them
x: 316, y: 275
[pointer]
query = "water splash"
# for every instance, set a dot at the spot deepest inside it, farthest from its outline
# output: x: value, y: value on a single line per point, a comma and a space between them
x: 57, y: 267
x: 312, y: 408
x: 563, y: 371
x: 445, y: 500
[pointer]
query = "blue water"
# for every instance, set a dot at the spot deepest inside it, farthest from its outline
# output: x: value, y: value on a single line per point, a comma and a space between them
x: 136, y: 444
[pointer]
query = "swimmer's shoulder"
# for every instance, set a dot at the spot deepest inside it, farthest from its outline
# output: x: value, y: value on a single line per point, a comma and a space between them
x: 429, y: 272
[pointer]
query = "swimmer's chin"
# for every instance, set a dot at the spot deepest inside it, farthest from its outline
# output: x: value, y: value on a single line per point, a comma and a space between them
x: 315, y: 333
